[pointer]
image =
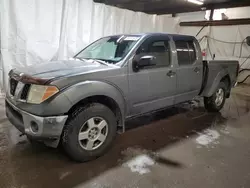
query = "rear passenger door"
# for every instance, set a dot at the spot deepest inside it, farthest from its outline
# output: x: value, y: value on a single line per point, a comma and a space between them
x: 189, y: 70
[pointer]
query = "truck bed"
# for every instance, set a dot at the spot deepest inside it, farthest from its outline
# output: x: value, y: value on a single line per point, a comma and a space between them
x: 214, y: 71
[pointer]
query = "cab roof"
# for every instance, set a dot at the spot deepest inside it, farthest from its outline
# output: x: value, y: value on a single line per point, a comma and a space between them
x: 174, y: 36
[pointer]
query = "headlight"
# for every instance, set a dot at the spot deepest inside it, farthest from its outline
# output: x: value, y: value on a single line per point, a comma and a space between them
x: 39, y: 93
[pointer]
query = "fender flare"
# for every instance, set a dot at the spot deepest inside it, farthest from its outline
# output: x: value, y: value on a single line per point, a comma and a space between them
x: 216, y: 82
x: 82, y: 90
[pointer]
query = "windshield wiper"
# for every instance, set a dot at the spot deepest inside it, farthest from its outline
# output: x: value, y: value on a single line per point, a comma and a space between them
x: 99, y: 61
x: 93, y: 60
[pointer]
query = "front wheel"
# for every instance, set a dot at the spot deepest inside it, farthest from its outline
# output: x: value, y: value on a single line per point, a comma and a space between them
x: 89, y: 133
x: 216, y: 102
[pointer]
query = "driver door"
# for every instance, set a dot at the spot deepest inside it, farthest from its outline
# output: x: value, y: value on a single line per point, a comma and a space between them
x: 152, y: 87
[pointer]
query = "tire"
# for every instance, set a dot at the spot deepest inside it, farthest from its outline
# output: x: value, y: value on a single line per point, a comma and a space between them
x: 88, y: 122
x: 210, y: 102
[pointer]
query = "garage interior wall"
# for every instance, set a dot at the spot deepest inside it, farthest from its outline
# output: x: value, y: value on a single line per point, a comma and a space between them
x: 226, y: 42
x: 36, y: 31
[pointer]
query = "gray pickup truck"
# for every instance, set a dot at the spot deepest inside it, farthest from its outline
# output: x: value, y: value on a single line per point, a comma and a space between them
x: 83, y: 102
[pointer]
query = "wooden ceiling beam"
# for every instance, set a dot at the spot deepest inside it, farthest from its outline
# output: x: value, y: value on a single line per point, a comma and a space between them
x: 181, y: 9
x: 154, y: 8
x: 245, y: 21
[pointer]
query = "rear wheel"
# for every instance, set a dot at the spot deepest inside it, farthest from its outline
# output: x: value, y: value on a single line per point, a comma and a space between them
x: 216, y: 102
x: 89, y: 133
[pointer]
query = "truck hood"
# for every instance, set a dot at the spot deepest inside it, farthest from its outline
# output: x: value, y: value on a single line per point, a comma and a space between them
x: 55, y: 69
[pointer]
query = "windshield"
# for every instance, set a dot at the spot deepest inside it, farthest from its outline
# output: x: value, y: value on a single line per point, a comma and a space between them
x: 110, y: 49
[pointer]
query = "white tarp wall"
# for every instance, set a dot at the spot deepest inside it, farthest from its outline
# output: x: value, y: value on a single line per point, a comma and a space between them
x: 34, y: 31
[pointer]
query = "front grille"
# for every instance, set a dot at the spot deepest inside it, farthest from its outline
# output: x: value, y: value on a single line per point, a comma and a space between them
x: 25, y: 91
x: 13, y: 85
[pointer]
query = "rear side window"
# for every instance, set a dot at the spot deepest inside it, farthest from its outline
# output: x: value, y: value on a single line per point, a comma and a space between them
x: 192, y: 53
x: 182, y: 52
x: 185, y: 52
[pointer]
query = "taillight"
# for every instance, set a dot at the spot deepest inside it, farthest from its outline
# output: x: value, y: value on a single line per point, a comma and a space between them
x: 204, y: 54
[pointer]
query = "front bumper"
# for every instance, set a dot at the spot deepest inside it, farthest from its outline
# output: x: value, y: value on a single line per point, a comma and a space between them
x: 36, y: 127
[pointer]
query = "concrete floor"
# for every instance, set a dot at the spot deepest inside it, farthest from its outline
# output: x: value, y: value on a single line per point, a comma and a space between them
x: 182, y: 147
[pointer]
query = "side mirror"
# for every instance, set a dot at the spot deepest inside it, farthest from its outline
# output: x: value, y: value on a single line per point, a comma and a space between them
x: 144, y: 61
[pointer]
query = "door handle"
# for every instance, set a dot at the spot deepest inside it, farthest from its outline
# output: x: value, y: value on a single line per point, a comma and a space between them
x: 171, y: 74
x: 197, y: 70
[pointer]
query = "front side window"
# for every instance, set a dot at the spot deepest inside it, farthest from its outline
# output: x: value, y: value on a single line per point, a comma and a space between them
x: 157, y: 48
x: 110, y: 49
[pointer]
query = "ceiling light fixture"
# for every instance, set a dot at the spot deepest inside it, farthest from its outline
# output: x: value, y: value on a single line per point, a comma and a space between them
x: 195, y: 2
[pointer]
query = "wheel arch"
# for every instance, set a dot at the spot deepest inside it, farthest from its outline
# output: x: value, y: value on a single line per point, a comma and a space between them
x: 226, y: 79
x: 97, y: 92
x: 221, y: 76
x: 102, y: 99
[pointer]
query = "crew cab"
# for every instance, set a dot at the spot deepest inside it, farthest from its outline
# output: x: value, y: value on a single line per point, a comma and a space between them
x: 84, y: 101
